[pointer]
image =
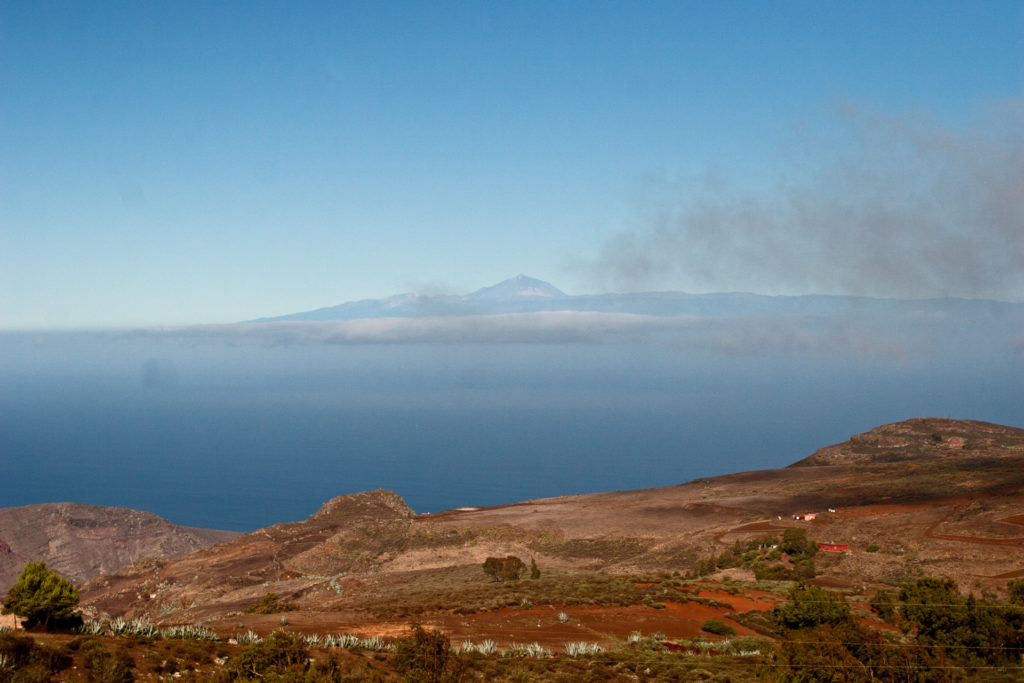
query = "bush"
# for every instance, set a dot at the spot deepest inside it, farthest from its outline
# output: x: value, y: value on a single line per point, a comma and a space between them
x: 43, y: 598
x: 534, y: 571
x: 811, y: 606
x: 504, y: 569
x: 424, y: 656
x: 718, y: 627
x: 270, y: 604
x: 281, y: 654
x: 105, y: 667
x: 873, y: 548
x: 773, y: 572
x: 22, y: 659
x: 1016, y: 591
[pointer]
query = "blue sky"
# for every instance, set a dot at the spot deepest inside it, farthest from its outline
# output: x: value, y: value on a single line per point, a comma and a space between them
x: 177, y: 162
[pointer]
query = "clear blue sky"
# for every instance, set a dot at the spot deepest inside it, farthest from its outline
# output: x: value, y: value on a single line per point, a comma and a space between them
x: 180, y: 162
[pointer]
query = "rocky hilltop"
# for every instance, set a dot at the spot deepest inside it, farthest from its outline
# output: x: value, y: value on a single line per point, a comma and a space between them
x: 81, y: 541
x: 923, y: 438
x: 954, y: 509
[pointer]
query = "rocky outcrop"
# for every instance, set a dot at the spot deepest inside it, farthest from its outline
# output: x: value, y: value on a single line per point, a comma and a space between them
x: 379, y: 505
x: 921, y: 438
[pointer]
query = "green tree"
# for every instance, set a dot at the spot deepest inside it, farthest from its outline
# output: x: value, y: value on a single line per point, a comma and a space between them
x: 534, y: 570
x: 810, y: 606
x: 794, y: 541
x: 43, y: 598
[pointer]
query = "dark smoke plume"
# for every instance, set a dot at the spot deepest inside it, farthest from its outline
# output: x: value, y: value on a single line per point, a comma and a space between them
x: 896, y: 206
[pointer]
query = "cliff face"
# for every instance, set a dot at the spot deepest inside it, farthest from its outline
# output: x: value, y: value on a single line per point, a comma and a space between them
x: 81, y: 541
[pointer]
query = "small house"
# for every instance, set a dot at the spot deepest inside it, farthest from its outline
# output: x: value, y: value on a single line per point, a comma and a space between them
x: 834, y: 547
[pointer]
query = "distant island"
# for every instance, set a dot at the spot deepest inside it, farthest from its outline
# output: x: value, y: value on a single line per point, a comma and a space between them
x: 524, y: 294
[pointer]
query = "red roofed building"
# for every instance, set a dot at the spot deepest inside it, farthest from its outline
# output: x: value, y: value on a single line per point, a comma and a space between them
x: 833, y: 547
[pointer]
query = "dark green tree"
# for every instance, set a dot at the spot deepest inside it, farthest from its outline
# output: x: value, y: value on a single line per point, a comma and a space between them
x: 811, y: 606
x: 43, y: 598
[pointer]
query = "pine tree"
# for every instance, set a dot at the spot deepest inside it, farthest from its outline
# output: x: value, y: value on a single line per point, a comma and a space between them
x: 42, y: 598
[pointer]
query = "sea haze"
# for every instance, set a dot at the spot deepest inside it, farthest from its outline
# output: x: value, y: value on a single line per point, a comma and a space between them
x: 237, y: 427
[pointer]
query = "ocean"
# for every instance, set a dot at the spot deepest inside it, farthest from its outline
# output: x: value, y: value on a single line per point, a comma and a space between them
x: 239, y: 432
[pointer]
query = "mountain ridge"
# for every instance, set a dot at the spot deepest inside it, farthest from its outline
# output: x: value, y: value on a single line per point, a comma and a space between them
x: 524, y: 294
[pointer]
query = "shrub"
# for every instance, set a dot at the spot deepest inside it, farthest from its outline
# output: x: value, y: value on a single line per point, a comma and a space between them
x: 103, y: 666
x: 810, y: 606
x: 271, y: 604
x: 873, y: 548
x: 773, y: 572
x: 424, y: 656
x: 504, y: 569
x: 43, y: 598
x: 718, y: 627
x: 22, y: 659
x: 1016, y: 591
x: 534, y: 571
x: 882, y: 603
x: 281, y: 654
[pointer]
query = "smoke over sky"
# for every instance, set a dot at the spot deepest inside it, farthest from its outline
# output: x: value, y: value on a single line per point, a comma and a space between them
x: 889, y: 205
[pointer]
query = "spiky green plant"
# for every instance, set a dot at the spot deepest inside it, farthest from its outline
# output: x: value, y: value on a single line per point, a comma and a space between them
x: 582, y: 649
x: 373, y: 643
x: 247, y: 638
x: 92, y: 627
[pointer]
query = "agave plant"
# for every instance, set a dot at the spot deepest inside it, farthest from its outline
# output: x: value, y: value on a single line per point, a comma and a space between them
x: 133, y: 627
x: 535, y: 650
x: 91, y: 627
x: 345, y: 640
x: 466, y: 647
x: 562, y: 617
x: 373, y: 643
x: 314, y: 640
x: 189, y: 632
x: 247, y: 638
x: 582, y: 648
x: 487, y: 647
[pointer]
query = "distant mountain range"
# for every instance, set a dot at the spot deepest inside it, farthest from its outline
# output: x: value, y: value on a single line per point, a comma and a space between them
x: 524, y: 294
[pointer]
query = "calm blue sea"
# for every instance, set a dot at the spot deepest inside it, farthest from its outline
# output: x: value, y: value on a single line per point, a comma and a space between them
x: 239, y: 434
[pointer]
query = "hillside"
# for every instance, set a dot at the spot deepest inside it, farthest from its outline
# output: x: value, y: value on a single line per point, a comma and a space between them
x: 955, y: 508
x: 81, y: 541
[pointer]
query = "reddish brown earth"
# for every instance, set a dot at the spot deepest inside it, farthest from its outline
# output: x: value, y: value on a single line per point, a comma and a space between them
x: 366, y: 563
